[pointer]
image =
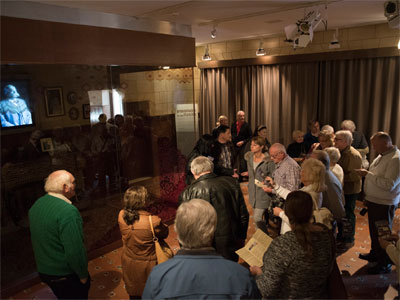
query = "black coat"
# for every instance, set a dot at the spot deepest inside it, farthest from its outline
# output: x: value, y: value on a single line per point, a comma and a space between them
x: 214, y: 152
x: 225, y: 195
x: 202, y: 147
x: 244, y: 134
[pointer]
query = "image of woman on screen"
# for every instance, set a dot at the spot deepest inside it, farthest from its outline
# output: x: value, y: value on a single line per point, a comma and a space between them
x: 13, y: 110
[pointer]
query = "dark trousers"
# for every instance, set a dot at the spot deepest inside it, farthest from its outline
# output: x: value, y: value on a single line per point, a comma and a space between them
x: 378, y: 212
x: 348, y: 233
x: 67, y: 287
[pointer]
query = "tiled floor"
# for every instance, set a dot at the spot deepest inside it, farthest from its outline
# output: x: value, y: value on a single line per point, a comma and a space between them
x: 107, y: 283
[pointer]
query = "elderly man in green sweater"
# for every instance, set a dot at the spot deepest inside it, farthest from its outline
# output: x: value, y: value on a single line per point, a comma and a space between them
x: 57, y: 239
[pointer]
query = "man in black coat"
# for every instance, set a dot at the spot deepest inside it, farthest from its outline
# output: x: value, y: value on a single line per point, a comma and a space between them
x: 222, y: 153
x: 241, y: 133
x: 225, y: 195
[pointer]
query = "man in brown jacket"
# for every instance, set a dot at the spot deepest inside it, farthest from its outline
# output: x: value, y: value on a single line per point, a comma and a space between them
x: 350, y: 160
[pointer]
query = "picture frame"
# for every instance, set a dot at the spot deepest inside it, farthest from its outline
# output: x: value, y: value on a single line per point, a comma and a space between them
x: 46, y: 144
x: 86, y: 111
x: 54, y: 102
x: 72, y: 98
x: 73, y: 113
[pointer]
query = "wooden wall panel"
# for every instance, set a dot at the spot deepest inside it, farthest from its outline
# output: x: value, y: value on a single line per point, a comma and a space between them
x: 41, y: 42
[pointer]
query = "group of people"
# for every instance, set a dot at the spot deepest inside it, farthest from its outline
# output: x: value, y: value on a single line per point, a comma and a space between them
x: 305, y: 199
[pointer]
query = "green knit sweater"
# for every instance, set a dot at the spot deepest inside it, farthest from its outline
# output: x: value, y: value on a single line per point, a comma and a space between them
x: 57, y: 237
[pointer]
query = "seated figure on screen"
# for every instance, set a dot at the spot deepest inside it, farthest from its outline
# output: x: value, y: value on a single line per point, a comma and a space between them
x: 13, y: 110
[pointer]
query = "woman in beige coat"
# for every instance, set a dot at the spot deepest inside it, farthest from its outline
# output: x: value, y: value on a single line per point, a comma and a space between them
x: 138, y: 252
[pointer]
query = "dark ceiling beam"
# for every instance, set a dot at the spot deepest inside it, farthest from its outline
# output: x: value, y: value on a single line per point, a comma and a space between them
x: 301, y: 58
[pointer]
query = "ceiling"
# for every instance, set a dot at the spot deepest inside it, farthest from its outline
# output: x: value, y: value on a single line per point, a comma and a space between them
x: 238, y: 19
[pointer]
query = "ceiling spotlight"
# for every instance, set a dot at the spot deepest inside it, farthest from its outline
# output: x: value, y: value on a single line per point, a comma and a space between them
x: 214, y: 33
x: 261, y: 51
x: 206, y: 55
x: 392, y: 13
x: 334, y: 44
x: 165, y: 67
x: 301, y: 33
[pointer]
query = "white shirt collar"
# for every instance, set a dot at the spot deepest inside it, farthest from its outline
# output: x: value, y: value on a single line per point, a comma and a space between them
x: 60, y: 196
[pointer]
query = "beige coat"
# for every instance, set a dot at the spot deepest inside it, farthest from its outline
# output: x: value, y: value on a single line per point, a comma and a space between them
x: 351, y: 159
x: 138, y: 252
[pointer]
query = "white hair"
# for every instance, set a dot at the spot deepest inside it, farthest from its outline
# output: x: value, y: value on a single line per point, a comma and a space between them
x: 348, y: 125
x: 346, y: 135
x: 334, y: 154
x: 278, y: 147
x: 195, y: 224
x: 56, y: 180
x: 200, y: 165
x: 328, y: 128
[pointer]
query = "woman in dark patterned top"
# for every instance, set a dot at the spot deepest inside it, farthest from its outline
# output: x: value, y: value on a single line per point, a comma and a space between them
x: 298, y: 263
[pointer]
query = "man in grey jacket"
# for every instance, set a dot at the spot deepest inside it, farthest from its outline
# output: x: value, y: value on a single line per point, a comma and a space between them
x: 197, y: 271
x: 333, y: 197
x: 382, y: 195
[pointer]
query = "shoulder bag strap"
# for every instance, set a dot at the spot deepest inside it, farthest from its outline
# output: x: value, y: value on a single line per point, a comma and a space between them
x: 152, y: 230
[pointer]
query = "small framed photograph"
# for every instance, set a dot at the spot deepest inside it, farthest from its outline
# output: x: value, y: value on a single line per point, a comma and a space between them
x: 46, y: 144
x: 54, y: 102
x: 86, y: 111
x: 72, y: 98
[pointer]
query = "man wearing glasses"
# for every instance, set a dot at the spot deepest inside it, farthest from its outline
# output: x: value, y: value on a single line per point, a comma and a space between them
x: 287, y: 172
x: 350, y: 160
x: 287, y: 175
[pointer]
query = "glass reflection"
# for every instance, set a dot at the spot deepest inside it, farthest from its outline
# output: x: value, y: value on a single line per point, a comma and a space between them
x: 131, y: 128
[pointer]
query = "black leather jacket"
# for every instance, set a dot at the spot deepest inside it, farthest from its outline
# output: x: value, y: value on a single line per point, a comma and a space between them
x: 225, y: 195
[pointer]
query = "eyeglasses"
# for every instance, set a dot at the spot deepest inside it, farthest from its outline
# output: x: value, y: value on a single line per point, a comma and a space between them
x: 276, y: 154
x: 337, y: 139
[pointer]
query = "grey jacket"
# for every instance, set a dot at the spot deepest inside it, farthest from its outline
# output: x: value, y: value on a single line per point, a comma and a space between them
x: 257, y: 197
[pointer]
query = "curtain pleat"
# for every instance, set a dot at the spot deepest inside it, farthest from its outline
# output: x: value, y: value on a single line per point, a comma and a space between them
x: 284, y: 97
x: 363, y: 90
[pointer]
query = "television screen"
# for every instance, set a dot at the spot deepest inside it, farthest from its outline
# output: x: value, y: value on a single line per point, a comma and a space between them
x: 15, y: 104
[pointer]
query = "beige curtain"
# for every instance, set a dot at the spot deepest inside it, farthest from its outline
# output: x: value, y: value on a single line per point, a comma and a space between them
x: 283, y: 97
x: 364, y: 90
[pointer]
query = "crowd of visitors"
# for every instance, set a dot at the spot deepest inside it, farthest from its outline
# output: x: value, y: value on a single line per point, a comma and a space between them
x: 308, y: 193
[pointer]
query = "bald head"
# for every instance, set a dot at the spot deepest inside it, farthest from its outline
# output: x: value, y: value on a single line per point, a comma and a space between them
x: 381, y: 142
x: 322, y: 156
x: 60, y: 182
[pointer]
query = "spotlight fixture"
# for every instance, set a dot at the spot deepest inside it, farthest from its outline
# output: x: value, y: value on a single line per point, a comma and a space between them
x: 165, y: 67
x: 392, y: 13
x: 301, y: 33
x: 398, y: 45
x: 261, y: 51
x: 206, y: 55
x: 214, y: 33
x: 334, y: 44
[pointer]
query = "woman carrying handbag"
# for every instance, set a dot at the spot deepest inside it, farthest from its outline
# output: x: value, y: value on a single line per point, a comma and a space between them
x: 138, y: 252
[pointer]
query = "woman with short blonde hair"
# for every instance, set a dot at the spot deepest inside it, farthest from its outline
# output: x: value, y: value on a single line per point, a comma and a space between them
x: 312, y: 175
x: 334, y: 156
x: 297, y: 149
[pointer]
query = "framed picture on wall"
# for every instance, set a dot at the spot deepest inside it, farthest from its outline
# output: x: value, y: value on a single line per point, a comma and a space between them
x: 54, y: 102
x: 46, y: 144
x: 86, y: 111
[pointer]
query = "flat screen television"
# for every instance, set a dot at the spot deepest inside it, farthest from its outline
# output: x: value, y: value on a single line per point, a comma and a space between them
x: 16, y: 107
